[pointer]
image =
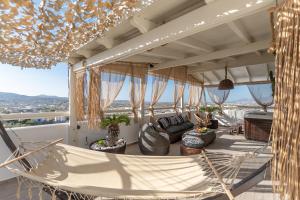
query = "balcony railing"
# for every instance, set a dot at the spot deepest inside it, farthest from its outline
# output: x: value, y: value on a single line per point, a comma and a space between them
x: 21, y: 116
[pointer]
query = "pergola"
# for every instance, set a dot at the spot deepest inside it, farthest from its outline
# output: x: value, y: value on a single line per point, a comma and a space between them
x: 190, y: 34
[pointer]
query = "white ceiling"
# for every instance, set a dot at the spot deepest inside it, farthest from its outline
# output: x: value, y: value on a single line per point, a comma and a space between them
x: 243, y: 68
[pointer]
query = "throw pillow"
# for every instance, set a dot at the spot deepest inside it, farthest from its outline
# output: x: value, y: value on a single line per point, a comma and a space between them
x: 163, y: 122
x: 179, y: 119
x: 173, y: 120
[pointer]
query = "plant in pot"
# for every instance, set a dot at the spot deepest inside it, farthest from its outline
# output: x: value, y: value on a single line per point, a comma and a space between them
x: 112, y: 123
x: 209, y: 110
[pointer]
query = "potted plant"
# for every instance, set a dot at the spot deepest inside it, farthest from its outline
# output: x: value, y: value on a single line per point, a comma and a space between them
x: 112, y: 123
x: 209, y: 110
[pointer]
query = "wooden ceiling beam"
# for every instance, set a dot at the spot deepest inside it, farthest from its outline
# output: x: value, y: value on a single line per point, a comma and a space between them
x: 214, y: 14
x: 244, y: 60
x: 107, y: 42
x: 216, y: 75
x: 142, y: 24
x: 85, y: 52
x: 249, y: 48
x: 249, y: 73
x: 164, y: 52
x: 240, y: 31
x: 194, y: 44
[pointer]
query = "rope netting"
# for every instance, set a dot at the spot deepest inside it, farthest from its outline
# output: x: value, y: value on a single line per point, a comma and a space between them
x: 219, y: 172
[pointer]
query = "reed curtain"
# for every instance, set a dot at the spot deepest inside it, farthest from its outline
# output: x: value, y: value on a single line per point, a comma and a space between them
x: 286, y: 123
x: 159, y: 84
x: 94, y: 98
x: 262, y: 94
x: 105, y: 85
x: 138, y: 84
x: 80, y: 94
x: 218, y: 96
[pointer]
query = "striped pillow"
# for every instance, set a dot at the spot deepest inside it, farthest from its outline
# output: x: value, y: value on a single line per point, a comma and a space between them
x: 179, y: 119
x: 163, y: 122
x: 173, y: 120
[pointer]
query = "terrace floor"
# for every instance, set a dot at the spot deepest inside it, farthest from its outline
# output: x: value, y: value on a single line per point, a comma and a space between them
x: 225, y: 142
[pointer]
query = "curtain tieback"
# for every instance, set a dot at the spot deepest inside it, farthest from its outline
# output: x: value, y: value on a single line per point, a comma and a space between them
x: 151, y: 108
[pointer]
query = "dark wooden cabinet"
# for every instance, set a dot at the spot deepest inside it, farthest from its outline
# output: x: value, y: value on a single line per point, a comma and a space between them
x: 258, y: 129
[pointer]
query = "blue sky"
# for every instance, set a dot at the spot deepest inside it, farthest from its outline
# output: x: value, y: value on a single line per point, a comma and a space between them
x: 55, y: 82
x: 34, y: 81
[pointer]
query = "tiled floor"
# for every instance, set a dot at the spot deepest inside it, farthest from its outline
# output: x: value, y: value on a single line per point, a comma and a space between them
x: 225, y: 142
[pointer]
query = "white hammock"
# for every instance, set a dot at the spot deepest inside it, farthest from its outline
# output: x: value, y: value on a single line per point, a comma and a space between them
x: 79, y: 173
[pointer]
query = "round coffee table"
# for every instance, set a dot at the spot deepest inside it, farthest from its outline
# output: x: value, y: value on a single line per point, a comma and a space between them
x: 118, y: 149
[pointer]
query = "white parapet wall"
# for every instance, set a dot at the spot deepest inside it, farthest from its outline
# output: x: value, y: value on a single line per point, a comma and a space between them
x: 32, y: 133
x: 84, y: 136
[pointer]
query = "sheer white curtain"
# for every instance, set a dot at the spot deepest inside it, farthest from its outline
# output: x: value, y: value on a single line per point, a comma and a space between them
x: 138, y: 84
x: 218, y: 96
x: 104, y: 87
x: 110, y: 85
x: 262, y: 94
x: 159, y: 84
x: 178, y: 93
x: 179, y: 74
x: 195, y: 96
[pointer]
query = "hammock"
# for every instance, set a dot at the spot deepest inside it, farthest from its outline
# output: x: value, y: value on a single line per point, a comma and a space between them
x: 79, y: 173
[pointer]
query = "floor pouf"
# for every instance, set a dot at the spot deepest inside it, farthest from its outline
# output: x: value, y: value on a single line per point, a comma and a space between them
x: 153, y: 142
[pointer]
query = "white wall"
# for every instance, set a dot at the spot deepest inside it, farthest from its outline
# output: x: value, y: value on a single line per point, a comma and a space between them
x: 32, y: 133
x: 55, y: 131
x: 86, y: 136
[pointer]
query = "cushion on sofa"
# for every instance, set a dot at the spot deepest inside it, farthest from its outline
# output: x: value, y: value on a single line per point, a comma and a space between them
x: 187, y: 125
x: 164, y: 122
x: 173, y: 121
x: 175, y: 129
x: 179, y: 119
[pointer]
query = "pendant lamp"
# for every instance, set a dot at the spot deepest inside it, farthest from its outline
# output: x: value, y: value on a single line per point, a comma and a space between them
x: 226, y: 84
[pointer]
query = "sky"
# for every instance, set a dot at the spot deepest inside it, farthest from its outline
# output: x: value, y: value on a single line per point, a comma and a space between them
x: 34, y: 82
x: 54, y: 82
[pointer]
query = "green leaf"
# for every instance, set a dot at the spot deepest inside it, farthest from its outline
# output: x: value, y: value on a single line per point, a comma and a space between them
x: 115, y: 120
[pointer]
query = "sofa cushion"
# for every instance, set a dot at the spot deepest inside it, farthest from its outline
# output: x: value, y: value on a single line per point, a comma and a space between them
x: 173, y: 121
x: 179, y: 119
x: 187, y: 125
x: 175, y: 129
x: 164, y: 122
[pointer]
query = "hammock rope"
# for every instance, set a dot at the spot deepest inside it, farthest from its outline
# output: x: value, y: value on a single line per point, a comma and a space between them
x: 218, y: 170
